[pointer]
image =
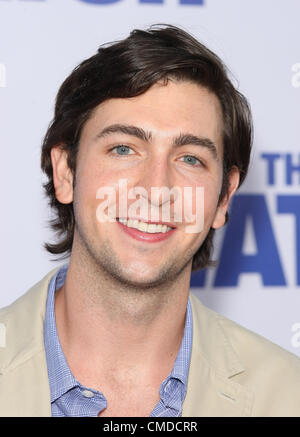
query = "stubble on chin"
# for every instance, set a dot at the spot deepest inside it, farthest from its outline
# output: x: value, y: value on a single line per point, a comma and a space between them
x: 107, y: 265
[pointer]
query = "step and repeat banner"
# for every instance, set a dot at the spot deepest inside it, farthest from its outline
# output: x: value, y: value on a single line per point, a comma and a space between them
x: 257, y: 280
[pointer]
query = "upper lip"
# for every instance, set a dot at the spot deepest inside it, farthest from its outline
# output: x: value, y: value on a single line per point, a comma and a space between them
x: 171, y: 225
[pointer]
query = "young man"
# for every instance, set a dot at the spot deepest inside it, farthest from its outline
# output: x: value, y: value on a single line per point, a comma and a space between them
x: 116, y: 331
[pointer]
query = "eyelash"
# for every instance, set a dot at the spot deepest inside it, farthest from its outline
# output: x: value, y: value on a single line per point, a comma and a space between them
x: 128, y: 147
x: 195, y: 157
x: 120, y: 145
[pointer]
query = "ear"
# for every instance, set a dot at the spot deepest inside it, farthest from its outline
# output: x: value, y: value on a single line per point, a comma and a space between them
x: 233, y: 183
x: 62, y: 175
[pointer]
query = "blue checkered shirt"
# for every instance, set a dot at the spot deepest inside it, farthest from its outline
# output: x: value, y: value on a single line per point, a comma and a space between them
x: 70, y: 398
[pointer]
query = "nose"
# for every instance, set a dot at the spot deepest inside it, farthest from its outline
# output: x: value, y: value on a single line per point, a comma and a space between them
x: 157, y: 180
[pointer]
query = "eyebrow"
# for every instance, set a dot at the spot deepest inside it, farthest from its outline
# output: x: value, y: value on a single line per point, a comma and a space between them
x: 182, y: 139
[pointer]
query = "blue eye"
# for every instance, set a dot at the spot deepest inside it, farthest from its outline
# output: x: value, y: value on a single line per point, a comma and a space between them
x: 191, y: 160
x: 122, y: 150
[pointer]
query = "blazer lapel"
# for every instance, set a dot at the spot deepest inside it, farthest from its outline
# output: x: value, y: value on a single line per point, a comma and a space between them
x: 23, y: 367
x: 211, y: 390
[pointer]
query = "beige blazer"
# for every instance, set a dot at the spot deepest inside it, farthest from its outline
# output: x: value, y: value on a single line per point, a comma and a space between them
x: 233, y: 371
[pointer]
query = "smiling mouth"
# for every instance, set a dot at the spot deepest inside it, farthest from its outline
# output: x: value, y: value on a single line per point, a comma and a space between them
x: 150, y: 228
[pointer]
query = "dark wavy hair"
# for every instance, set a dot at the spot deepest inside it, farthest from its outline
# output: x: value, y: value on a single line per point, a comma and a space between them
x: 128, y: 68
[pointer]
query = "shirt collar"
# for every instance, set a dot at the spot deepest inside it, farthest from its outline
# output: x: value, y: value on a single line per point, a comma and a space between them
x: 182, y: 362
x: 179, y: 374
x: 61, y: 379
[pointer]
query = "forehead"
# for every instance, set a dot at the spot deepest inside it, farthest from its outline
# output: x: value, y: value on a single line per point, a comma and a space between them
x: 165, y: 110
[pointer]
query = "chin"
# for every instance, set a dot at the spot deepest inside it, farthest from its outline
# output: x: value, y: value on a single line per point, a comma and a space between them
x: 142, y: 281
x: 132, y: 272
x: 138, y: 280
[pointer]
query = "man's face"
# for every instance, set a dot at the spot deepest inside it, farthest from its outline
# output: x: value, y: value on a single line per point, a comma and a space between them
x: 157, y: 139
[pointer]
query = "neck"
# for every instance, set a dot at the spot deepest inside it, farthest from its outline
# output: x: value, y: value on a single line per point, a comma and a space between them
x: 116, y: 325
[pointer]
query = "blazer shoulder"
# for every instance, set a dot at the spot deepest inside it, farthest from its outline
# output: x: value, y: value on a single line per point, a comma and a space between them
x: 22, y: 325
x: 271, y: 372
x: 254, y: 347
x: 28, y: 295
x: 247, y: 343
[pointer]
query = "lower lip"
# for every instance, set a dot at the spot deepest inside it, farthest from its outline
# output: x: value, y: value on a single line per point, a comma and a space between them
x: 145, y: 236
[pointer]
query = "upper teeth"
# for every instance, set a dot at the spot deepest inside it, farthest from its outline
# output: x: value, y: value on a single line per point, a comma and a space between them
x: 145, y: 227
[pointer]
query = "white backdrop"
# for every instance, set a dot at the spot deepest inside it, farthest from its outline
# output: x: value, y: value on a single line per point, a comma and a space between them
x: 41, y: 41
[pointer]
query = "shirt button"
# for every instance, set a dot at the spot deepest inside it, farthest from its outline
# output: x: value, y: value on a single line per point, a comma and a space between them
x: 87, y: 393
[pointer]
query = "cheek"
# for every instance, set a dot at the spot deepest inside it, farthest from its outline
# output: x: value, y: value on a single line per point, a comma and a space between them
x: 211, y: 195
x: 95, y: 173
x: 97, y: 186
x: 88, y: 181
x: 205, y: 197
x: 205, y: 187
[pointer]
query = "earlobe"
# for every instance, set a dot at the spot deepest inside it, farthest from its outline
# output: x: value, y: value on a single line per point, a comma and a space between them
x: 219, y: 219
x: 62, y: 175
